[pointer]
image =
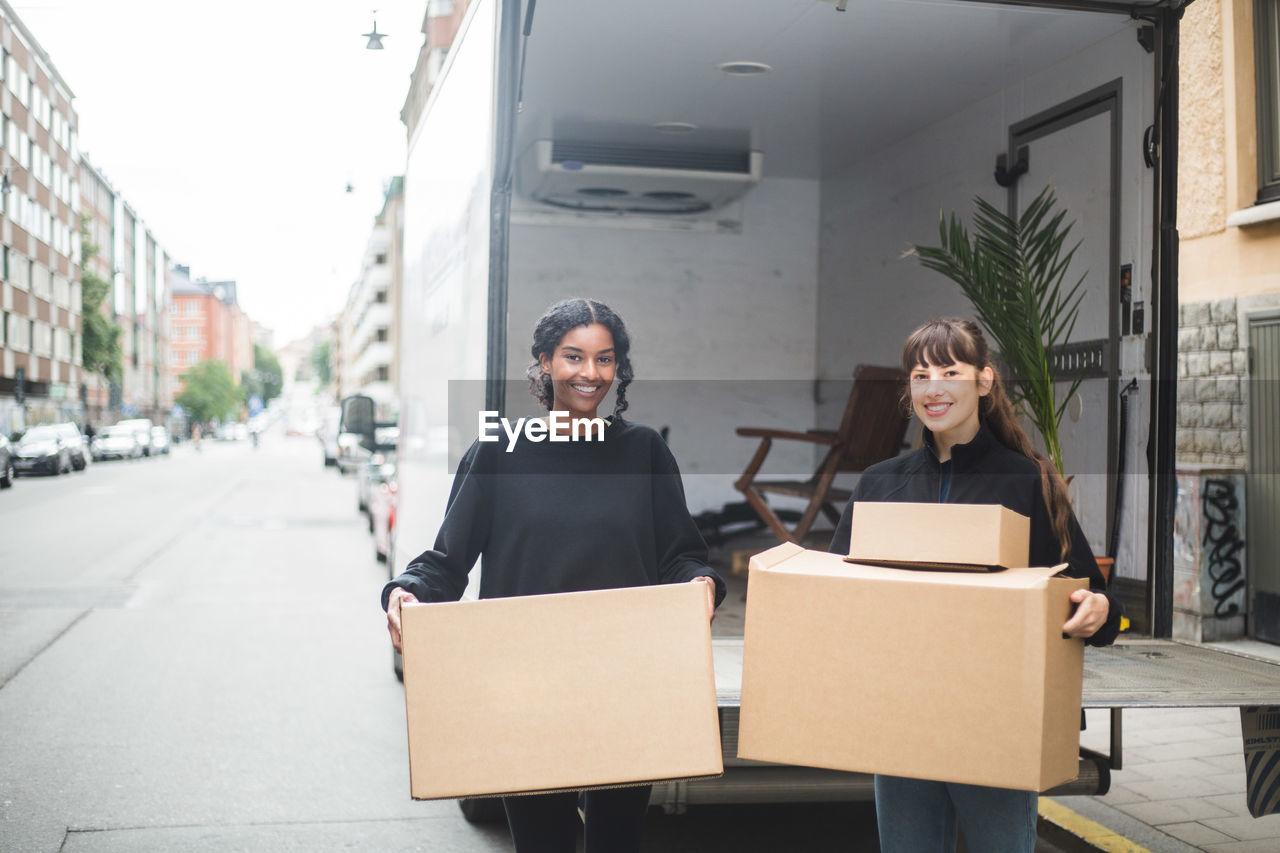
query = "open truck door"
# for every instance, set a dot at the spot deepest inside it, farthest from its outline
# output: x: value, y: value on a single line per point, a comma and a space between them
x: 739, y: 179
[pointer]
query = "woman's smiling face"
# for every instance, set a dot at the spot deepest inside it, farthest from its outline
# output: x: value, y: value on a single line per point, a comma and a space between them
x: 581, y: 370
x: 945, y: 399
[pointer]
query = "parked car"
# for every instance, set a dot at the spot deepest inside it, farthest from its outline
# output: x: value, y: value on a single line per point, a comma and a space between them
x: 6, y: 462
x: 42, y: 448
x: 116, y: 442
x: 159, y: 441
x: 142, y: 427
x: 77, y: 444
x: 377, y: 467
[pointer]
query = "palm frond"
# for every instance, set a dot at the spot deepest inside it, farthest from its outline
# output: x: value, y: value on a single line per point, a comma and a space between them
x: 1013, y: 271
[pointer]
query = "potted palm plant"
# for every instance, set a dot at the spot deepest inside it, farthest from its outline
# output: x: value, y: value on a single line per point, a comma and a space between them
x: 1013, y: 270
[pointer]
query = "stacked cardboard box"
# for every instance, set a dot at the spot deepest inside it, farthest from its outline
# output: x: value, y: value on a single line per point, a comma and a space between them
x: 959, y: 676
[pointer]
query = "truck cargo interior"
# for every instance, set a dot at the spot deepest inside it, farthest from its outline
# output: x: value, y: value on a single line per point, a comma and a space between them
x: 741, y: 182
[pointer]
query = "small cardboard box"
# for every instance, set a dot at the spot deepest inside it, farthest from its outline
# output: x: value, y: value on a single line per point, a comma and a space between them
x: 976, y: 537
x: 954, y: 676
x: 560, y: 692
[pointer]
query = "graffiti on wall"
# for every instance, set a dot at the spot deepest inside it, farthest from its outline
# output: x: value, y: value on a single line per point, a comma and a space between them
x: 1222, y: 544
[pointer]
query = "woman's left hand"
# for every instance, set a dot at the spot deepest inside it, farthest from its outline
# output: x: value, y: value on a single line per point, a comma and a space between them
x: 1092, y: 609
x: 711, y: 596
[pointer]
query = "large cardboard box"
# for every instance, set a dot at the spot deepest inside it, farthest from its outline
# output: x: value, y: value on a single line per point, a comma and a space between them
x: 976, y: 537
x: 555, y: 692
x: 954, y: 676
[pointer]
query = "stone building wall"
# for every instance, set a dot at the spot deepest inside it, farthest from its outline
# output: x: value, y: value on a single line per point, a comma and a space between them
x: 1213, y: 368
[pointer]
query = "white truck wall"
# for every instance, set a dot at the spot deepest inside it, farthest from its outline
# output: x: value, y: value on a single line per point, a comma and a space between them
x: 870, y: 297
x: 448, y: 179
x: 721, y: 325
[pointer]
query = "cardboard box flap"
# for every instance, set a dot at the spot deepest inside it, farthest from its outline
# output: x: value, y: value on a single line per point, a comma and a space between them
x: 821, y: 563
x: 775, y: 555
x: 928, y: 567
x: 978, y: 536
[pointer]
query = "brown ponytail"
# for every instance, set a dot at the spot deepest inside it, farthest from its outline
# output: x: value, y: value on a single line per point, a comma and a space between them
x: 950, y: 340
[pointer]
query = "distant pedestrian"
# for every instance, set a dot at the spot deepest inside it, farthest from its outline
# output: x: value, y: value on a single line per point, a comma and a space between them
x: 195, y: 436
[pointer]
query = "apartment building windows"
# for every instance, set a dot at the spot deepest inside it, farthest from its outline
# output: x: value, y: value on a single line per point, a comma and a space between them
x: 19, y: 334
x: 41, y: 281
x: 1266, y: 22
x: 20, y: 272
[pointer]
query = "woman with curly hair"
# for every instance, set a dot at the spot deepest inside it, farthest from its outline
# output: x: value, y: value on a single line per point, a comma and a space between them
x: 565, y: 516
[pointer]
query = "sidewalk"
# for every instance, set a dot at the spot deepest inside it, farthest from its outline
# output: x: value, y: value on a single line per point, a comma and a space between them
x: 1183, y: 783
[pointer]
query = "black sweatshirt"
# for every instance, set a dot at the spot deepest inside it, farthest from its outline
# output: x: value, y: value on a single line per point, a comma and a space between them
x: 563, y: 517
x: 984, y: 471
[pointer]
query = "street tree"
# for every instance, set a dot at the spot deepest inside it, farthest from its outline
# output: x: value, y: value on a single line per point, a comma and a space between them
x: 269, y: 374
x: 210, y: 391
x: 100, y: 342
x: 321, y: 356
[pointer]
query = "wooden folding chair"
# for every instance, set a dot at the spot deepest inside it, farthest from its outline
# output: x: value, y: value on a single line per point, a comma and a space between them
x: 872, y: 429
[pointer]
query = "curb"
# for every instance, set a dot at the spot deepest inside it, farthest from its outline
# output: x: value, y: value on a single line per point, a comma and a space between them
x: 1080, y: 832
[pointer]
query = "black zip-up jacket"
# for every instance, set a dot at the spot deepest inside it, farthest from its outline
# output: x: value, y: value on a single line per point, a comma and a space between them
x: 984, y: 471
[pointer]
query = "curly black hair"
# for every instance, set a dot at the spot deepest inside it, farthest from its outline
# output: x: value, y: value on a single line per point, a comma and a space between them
x: 555, y: 323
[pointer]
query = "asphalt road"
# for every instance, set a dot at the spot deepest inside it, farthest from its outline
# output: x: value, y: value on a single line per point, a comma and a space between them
x: 192, y: 657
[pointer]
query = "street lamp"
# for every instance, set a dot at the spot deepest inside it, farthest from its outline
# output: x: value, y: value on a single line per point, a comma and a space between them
x: 375, y: 38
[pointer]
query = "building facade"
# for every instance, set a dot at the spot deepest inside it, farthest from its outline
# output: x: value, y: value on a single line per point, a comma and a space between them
x: 40, y: 327
x: 128, y: 255
x: 365, y: 338
x: 206, y: 322
x: 440, y: 24
x: 1229, y: 295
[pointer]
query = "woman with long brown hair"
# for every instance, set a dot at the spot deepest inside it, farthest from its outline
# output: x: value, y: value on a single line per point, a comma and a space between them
x: 975, y: 451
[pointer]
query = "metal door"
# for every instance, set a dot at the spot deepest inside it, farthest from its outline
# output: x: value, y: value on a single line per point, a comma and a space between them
x: 1262, y: 492
x: 1075, y: 148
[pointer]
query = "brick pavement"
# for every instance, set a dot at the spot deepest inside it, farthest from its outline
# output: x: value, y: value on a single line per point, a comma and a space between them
x: 1183, y: 783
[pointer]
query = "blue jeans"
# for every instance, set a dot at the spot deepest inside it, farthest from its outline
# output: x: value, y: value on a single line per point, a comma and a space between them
x: 920, y: 816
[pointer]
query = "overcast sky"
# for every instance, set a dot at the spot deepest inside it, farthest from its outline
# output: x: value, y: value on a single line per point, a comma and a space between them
x: 233, y: 128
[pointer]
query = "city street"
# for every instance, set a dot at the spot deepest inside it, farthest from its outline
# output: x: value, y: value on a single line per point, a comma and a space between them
x: 192, y: 658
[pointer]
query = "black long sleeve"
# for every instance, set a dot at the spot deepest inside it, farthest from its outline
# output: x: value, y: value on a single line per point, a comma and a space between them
x: 563, y: 517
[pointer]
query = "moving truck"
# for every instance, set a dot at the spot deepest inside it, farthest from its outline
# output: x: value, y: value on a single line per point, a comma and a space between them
x: 739, y: 179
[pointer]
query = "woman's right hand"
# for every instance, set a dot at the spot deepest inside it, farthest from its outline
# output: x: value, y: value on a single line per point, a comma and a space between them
x: 398, y: 597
